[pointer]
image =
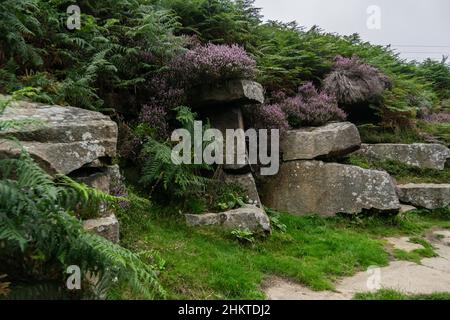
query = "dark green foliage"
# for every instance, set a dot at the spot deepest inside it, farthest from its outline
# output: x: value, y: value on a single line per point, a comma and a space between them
x: 40, y: 236
x: 174, y: 180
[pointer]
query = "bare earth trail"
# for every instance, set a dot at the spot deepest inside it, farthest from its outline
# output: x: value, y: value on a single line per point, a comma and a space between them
x: 431, y: 276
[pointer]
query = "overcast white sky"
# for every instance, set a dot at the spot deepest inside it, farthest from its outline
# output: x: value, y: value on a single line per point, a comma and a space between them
x: 416, y: 28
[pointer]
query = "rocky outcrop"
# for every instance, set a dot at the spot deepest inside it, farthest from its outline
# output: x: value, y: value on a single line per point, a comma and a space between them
x: 427, y: 156
x: 249, y: 218
x: 334, y: 139
x: 315, y: 187
x: 60, y: 139
x: 237, y: 92
x: 429, y: 196
x: 70, y: 141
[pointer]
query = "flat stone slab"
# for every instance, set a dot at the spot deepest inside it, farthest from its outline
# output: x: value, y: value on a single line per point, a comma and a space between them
x: 404, y: 244
x: 429, y: 196
x: 334, y: 139
x: 427, y: 156
x: 236, y: 92
x: 249, y: 218
x: 106, y: 227
x: 60, y: 139
x: 315, y: 187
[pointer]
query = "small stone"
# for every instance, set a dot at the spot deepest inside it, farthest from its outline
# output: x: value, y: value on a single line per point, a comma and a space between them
x: 405, y: 208
x: 247, y: 218
x: 246, y: 182
x: 106, y: 227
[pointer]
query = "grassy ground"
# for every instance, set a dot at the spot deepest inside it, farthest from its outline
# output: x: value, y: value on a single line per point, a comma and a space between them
x: 208, y: 263
x: 401, y: 172
x: 394, y: 295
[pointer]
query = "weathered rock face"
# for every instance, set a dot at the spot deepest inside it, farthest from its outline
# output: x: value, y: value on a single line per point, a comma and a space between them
x: 431, y: 156
x: 315, y: 187
x: 237, y: 92
x: 62, y: 139
x: 334, y: 139
x: 70, y: 141
x: 246, y: 218
x: 106, y: 227
x: 247, y: 182
x: 429, y: 196
x: 229, y: 117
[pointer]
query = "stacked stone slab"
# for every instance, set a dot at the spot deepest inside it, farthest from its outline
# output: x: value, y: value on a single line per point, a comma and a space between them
x: 222, y: 105
x: 428, y: 196
x: 70, y: 141
x: 308, y: 185
x: 420, y: 155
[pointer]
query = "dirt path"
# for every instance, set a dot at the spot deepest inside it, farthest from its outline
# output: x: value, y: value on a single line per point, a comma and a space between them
x: 431, y: 276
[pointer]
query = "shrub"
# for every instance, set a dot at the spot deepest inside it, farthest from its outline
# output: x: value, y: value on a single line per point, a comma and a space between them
x: 441, y: 117
x: 353, y: 81
x: 311, y: 108
x: 267, y: 116
x: 212, y: 63
x: 156, y: 118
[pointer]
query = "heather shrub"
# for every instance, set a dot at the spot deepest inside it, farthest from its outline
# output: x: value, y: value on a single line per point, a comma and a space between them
x: 212, y: 63
x: 267, y: 116
x: 440, y: 117
x: 353, y: 81
x: 155, y: 117
x: 311, y: 108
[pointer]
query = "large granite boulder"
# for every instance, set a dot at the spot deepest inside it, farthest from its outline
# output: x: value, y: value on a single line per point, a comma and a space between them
x: 315, y: 187
x: 334, y: 139
x: 60, y: 139
x: 249, y: 218
x: 430, y: 156
x: 429, y: 196
x: 236, y: 92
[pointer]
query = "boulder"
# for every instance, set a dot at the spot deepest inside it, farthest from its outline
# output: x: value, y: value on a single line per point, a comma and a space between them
x: 429, y: 196
x: 315, y: 187
x: 236, y: 92
x: 249, y: 218
x: 106, y: 227
x: 246, y: 182
x: 60, y: 139
x: 426, y: 156
x: 334, y: 139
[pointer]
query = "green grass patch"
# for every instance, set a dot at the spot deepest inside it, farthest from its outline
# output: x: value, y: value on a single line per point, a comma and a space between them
x: 375, y: 134
x: 402, y: 172
x: 416, y: 255
x: 395, y: 295
x: 209, y: 263
x: 439, y: 130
